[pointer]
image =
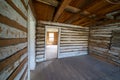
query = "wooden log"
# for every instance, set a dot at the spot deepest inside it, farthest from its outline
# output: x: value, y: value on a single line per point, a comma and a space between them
x: 19, y: 68
x: 6, y: 42
x: 12, y: 23
x: 39, y: 56
x: 23, y: 2
x: 24, y: 73
x: 12, y: 58
x: 95, y: 44
x: 73, y: 45
x: 17, y: 9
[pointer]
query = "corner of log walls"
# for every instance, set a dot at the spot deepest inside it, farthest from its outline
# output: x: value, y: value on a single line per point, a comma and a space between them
x: 13, y: 39
x: 104, y: 43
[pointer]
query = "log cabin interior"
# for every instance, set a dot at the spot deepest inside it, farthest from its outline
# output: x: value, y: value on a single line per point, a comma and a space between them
x: 59, y: 39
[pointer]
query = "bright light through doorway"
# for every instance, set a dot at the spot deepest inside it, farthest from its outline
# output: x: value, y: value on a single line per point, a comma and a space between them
x: 51, y: 37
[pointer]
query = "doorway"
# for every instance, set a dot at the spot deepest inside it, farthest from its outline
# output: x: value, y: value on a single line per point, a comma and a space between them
x: 52, y: 40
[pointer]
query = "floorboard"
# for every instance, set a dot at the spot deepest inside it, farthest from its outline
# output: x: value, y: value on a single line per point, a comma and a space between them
x: 76, y: 68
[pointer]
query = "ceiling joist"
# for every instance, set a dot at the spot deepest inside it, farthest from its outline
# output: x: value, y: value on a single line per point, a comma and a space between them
x: 81, y: 12
x: 78, y: 15
x: 64, y: 4
x: 72, y: 9
x: 100, y: 13
x: 53, y: 3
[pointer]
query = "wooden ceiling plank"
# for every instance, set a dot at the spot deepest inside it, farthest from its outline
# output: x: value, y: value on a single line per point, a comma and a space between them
x: 76, y: 16
x: 64, y: 4
x: 97, y: 6
x: 104, y: 11
x: 73, y: 18
x: 109, y: 9
x: 54, y: 3
x: 91, y: 22
x: 86, y: 23
x: 104, y: 23
x: 94, y: 20
x: 64, y: 16
x: 43, y: 11
x: 89, y: 9
x: 72, y: 9
x: 80, y: 21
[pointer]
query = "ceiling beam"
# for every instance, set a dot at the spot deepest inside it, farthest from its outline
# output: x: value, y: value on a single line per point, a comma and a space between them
x: 72, y: 9
x: 54, y: 3
x: 64, y: 4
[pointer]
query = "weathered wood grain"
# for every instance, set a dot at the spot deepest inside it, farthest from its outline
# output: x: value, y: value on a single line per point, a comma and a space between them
x: 13, y: 39
x: 73, y: 37
x: 104, y: 42
x: 76, y: 68
x: 23, y: 2
x: 24, y: 73
x: 7, y: 42
x: 12, y: 58
x: 17, y: 9
x: 19, y: 68
x: 40, y: 41
x: 12, y: 23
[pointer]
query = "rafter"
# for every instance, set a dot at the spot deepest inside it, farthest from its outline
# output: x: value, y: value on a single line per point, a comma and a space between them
x: 54, y: 3
x: 76, y: 16
x: 101, y: 12
x: 107, y: 9
x: 95, y: 7
x: 64, y: 4
x: 72, y: 9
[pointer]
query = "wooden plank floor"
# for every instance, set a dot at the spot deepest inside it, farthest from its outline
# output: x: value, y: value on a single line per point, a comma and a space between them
x: 76, y: 68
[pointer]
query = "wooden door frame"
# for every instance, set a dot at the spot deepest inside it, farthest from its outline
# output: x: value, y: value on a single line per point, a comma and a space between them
x: 58, y: 44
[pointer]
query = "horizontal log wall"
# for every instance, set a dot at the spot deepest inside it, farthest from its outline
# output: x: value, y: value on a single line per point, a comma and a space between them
x: 104, y: 42
x: 40, y: 42
x: 73, y: 41
x: 13, y: 40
